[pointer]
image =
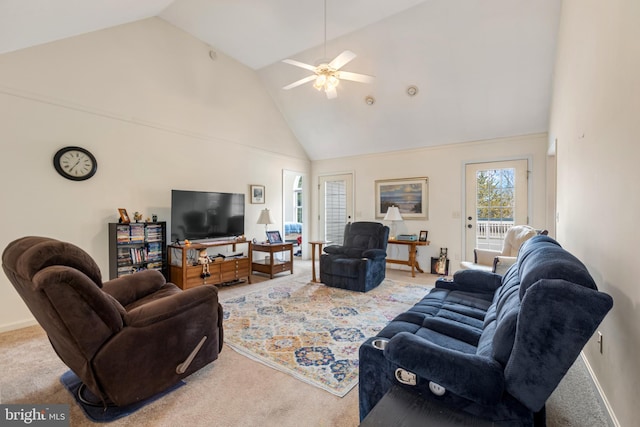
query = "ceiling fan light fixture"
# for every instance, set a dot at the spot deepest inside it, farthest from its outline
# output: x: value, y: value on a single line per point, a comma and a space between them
x: 320, y: 81
x: 332, y: 82
x: 327, y: 74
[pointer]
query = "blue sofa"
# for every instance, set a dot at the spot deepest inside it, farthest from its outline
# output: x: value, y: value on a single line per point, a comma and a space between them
x: 492, y: 346
x: 360, y: 264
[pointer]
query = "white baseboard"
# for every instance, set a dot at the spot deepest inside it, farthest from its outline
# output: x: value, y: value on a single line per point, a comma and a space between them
x: 17, y: 325
x: 612, y: 415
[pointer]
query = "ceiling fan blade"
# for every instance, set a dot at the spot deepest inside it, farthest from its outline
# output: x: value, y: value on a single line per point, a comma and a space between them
x: 355, y: 77
x: 300, y: 82
x: 300, y: 64
x: 341, y: 60
x: 331, y: 93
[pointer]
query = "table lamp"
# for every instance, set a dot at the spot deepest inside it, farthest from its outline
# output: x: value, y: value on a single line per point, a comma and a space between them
x: 393, y: 215
x: 265, y: 218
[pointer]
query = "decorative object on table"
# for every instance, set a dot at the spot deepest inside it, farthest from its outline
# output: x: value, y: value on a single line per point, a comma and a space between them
x: 265, y: 218
x: 137, y: 216
x: 410, y: 195
x: 154, y: 217
x: 310, y: 331
x: 440, y: 265
x: 274, y: 237
x: 75, y: 163
x: 257, y: 194
x: 204, y: 260
x: 407, y: 237
x: 423, y: 236
x: 124, y: 216
x: 393, y: 215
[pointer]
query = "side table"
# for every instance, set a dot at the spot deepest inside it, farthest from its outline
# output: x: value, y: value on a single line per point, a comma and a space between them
x: 269, y: 265
x: 400, y: 408
x: 319, y: 244
x: 411, y: 262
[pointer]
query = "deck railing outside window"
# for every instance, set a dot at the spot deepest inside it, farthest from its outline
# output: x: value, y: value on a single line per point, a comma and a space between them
x: 490, y: 234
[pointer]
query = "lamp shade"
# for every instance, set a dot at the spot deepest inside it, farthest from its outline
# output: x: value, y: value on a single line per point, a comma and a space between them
x: 393, y: 214
x: 265, y: 217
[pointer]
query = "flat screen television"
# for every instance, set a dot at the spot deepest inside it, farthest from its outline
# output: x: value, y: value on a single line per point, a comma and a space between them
x: 203, y: 215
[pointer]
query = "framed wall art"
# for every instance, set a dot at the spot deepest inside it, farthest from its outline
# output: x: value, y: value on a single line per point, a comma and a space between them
x: 257, y: 194
x: 410, y: 195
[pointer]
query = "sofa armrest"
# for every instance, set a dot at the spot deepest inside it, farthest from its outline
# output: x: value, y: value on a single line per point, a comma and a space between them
x: 471, y: 281
x: 334, y: 250
x: 374, y: 254
x: 479, y: 379
x: 485, y: 256
x: 171, y: 306
x: 502, y: 263
x: 132, y: 287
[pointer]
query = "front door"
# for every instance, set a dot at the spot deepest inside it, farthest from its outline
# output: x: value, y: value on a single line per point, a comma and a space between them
x: 496, y: 199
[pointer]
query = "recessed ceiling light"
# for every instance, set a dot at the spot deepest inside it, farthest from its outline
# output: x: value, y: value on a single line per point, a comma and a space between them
x: 412, y: 90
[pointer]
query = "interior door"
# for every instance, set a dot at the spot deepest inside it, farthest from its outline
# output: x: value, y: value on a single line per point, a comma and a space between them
x: 295, y: 210
x: 335, y: 206
x: 496, y: 199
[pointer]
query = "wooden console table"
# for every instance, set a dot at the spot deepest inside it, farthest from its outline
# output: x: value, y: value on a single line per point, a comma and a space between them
x: 185, y: 271
x: 413, y: 250
x: 272, y: 266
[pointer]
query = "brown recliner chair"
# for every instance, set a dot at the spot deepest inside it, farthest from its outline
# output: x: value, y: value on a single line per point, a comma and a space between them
x: 126, y: 339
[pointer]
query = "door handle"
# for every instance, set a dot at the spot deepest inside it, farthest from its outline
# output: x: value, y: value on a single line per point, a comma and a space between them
x: 469, y: 226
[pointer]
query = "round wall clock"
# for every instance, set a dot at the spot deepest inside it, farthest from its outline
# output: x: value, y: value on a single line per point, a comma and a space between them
x: 75, y: 163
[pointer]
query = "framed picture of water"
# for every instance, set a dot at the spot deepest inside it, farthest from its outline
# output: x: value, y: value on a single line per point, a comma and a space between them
x: 410, y: 195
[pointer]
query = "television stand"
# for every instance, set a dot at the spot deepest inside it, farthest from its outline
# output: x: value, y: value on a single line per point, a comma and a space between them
x: 186, y: 273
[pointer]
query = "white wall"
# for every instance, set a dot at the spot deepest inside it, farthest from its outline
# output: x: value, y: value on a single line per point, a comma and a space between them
x: 157, y: 113
x: 595, y: 119
x: 444, y: 166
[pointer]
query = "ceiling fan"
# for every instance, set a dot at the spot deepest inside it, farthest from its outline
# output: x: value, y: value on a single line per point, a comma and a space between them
x: 327, y: 75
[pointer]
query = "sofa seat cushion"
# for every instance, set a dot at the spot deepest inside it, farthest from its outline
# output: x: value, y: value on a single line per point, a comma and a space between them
x: 452, y: 319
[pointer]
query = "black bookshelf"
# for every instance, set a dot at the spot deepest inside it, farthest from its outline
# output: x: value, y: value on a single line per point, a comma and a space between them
x: 137, y: 246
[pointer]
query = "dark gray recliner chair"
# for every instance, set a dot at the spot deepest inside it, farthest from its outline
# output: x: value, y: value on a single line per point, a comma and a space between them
x: 360, y: 263
x: 127, y: 339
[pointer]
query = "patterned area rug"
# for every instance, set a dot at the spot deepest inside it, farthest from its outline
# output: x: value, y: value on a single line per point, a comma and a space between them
x: 312, y: 331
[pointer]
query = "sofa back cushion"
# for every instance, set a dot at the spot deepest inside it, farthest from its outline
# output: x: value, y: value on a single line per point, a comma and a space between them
x: 362, y: 235
x: 500, y: 321
x: 541, y: 257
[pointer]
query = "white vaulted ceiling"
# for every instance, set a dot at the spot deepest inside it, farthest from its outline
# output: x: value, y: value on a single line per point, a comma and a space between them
x: 483, y: 68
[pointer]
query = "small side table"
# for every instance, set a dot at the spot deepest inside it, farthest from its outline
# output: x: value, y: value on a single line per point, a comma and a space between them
x: 270, y: 266
x: 319, y: 244
x: 401, y: 408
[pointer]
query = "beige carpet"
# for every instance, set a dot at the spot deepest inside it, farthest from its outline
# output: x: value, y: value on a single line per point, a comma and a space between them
x: 235, y: 390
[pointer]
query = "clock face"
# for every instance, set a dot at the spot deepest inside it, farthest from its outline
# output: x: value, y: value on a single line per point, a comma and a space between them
x: 75, y: 163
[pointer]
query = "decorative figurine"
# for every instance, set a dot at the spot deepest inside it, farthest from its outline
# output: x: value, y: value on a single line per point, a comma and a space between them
x: 203, y: 258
